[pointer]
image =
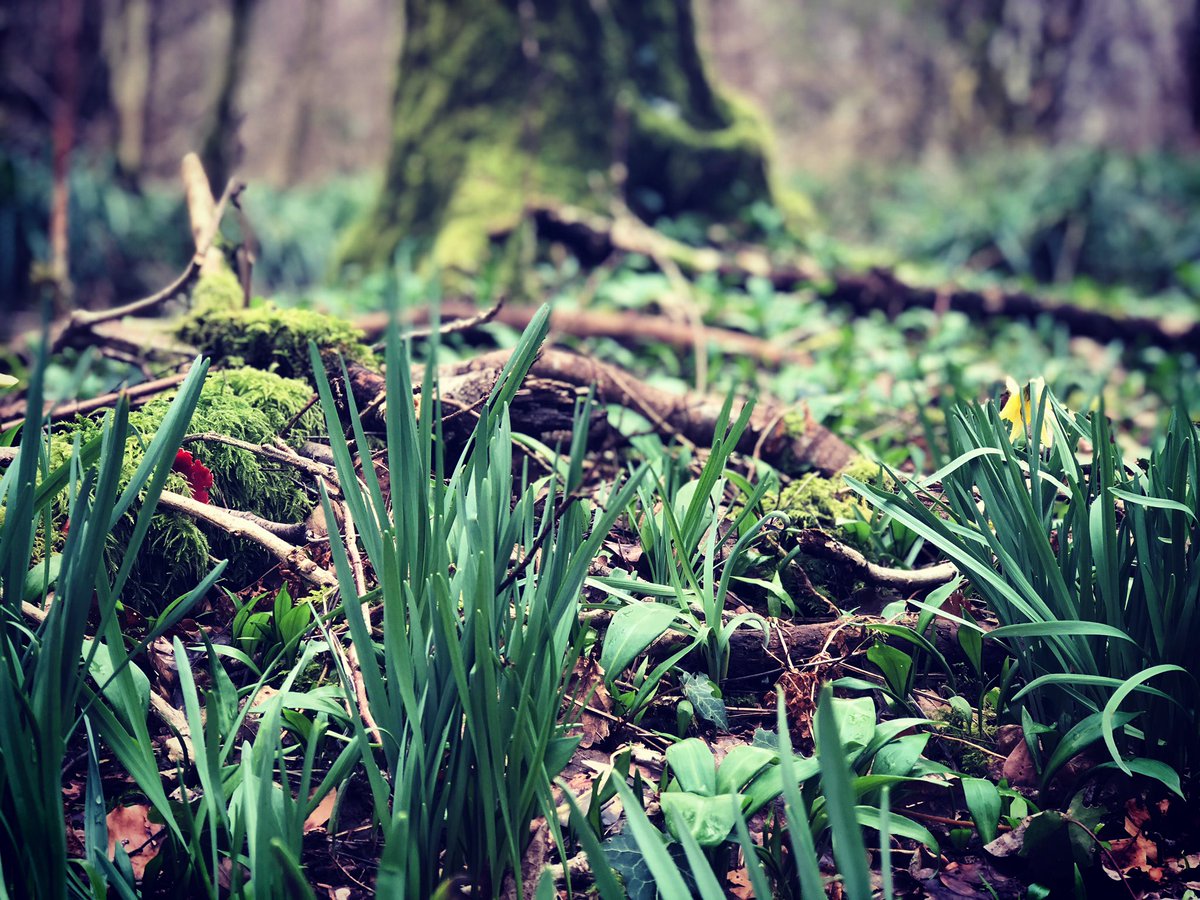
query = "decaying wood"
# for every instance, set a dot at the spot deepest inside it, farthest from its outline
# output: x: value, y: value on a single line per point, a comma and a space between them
x: 558, y: 378
x: 595, y: 238
x: 625, y: 327
x: 790, y: 645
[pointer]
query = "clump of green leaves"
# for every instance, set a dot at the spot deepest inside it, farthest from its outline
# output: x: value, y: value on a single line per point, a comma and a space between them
x: 45, y: 694
x: 468, y: 680
x: 1092, y: 567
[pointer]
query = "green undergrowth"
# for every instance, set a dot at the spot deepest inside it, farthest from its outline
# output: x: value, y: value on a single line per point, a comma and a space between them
x: 1098, y: 217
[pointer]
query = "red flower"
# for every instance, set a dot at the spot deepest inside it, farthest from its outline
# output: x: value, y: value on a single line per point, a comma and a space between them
x: 198, y: 475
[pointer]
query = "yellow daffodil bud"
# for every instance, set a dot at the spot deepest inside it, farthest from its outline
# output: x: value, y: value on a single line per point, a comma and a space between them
x: 1019, y: 408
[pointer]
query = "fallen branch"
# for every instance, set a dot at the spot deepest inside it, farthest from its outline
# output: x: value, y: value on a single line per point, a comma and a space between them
x: 243, y: 525
x: 595, y: 238
x: 375, y: 325
x: 817, y: 543
x: 205, y: 224
x: 137, y: 394
x: 624, y: 327
x: 545, y: 406
x: 789, y: 645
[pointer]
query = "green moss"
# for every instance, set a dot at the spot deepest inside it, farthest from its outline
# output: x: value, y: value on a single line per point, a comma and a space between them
x: 813, y: 501
x: 272, y: 339
x: 246, y: 404
x: 216, y: 292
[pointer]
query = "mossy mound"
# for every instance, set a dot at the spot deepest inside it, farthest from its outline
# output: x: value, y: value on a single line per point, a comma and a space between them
x: 269, y: 338
x: 246, y: 404
x: 813, y: 501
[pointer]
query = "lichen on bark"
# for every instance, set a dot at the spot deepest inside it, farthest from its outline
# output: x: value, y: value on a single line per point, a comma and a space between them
x: 500, y: 102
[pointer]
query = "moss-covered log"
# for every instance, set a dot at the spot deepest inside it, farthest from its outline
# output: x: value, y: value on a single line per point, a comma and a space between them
x: 501, y: 101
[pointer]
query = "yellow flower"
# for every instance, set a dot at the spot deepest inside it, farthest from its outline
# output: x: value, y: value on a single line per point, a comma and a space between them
x: 1019, y: 408
x: 7, y: 381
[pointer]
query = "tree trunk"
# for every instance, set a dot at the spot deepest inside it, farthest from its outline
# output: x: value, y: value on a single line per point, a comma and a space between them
x: 128, y: 48
x: 502, y: 101
x: 222, y: 146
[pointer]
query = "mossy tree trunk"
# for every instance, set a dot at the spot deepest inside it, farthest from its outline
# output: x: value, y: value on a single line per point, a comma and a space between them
x: 501, y: 101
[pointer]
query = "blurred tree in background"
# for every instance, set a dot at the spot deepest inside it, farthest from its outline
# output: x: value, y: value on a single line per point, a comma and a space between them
x: 501, y: 100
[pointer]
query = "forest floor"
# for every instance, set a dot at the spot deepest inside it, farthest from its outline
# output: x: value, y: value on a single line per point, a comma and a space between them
x: 721, y: 572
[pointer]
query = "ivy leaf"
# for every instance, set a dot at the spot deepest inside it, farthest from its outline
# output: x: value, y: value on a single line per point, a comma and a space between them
x: 622, y: 853
x: 705, y: 698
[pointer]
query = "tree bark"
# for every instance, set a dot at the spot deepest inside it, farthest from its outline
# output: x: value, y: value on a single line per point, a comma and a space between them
x: 500, y: 101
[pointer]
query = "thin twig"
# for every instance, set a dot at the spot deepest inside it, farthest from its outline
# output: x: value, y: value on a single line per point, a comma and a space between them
x: 352, y: 661
x: 137, y: 394
x: 453, y: 327
x: 267, y: 451
x: 83, y: 320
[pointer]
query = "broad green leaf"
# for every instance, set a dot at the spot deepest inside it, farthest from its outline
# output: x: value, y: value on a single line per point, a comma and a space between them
x: 1108, y: 716
x: 1085, y: 733
x: 632, y: 629
x: 702, y: 694
x: 621, y: 851
x: 855, y: 721
x: 1150, y: 768
x: 694, y: 767
x: 896, y: 665
x: 898, y: 825
x: 708, y: 819
x: 670, y: 881
x: 899, y: 756
x: 983, y: 800
x: 740, y: 766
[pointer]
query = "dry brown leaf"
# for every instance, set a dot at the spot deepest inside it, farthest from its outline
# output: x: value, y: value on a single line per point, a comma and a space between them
x: 1019, y: 768
x: 1137, y: 853
x: 800, y: 696
x: 739, y: 884
x: 587, y: 689
x: 319, y: 816
x: 162, y: 661
x: 132, y: 828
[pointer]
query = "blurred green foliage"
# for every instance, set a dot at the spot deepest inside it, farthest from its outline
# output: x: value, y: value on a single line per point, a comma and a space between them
x: 1049, y: 216
x: 125, y: 243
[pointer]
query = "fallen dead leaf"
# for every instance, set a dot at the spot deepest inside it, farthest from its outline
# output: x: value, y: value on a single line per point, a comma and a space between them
x: 1137, y: 853
x: 131, y: 827
x: 587, y: 689
x: 318, y: 817
x: 800, y: 697
x: 739, y: 884
x: 1019, y: 768
x: 162, y: 661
